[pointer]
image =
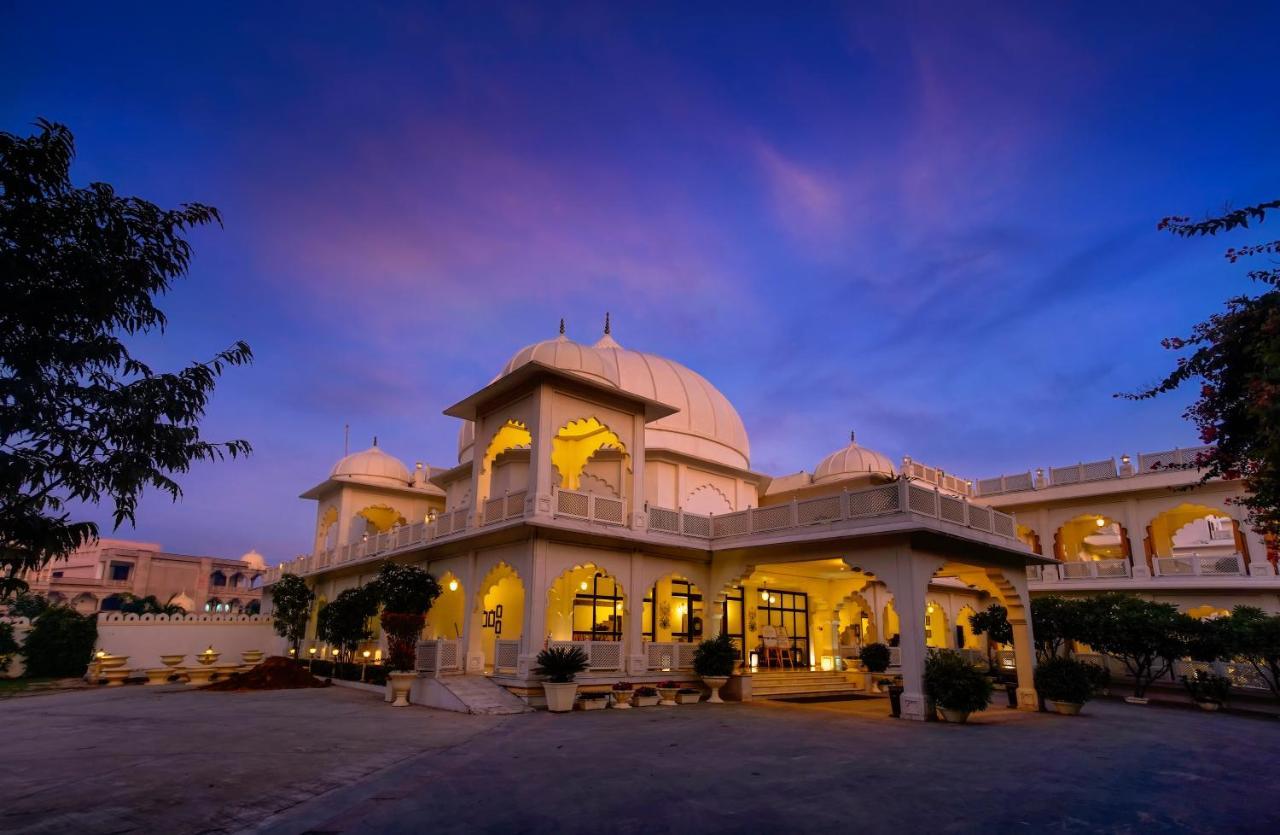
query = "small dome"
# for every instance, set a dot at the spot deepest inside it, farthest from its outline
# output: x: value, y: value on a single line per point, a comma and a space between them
x: 254, y: 560
x: 372, y: 466
x: 565, y: 354
x: 853, y: 462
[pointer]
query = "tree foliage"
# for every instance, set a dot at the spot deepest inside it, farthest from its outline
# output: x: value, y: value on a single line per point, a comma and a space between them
x: 150, y: 605
x: 1056, y: 622
x: 60, y: 644
x: 954, y: 684
x: 8, y: 646
x: 1235, y: 356
x: 1255, y: 638
x: 994, y: 623
x: 1145, y: 636
x: 405, y: 589
x: 344, y: 621
x: 291, y: 601
x: 28, y: 605
x: 81, y: 418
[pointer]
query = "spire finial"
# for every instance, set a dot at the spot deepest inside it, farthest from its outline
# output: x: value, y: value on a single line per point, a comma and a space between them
x: 852, y: 437
x: 562, y: 326
x: 375, y: 440
x: 606, y: 323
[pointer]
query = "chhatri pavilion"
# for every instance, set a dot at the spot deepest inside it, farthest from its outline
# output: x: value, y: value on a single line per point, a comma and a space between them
x: 605, y: 497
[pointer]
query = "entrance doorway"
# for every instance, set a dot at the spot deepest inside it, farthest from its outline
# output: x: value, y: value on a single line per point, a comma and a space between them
x: 788, y: 610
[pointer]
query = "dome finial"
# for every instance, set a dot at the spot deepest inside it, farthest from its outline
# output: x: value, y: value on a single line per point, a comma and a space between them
x: 606, y: 323
x: 375, y: 440
x: 852, y: 436
x: 562, y: 326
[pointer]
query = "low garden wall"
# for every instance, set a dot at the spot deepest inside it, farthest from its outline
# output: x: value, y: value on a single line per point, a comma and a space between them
x: 144, y: 638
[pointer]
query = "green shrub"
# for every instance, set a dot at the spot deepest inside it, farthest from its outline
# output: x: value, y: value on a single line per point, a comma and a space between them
x: 561, y: 664
x: 60, y: 644
x: 8, y: 646
x: 376, y: 674
x: 954, y: 684
x: 715, y: 657
x: 1208, y: 687
x: 875, y: 657
x: 1065, y: 680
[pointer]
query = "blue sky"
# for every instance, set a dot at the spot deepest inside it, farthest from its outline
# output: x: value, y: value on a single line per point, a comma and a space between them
x: 933, y: 223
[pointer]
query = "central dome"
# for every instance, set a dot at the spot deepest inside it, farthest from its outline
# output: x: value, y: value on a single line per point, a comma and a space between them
x: 371, y: 466
x: 854, y: 462
x: 706, y: 425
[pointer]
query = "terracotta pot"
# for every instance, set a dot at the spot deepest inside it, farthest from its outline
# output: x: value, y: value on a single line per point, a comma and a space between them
x: 667, y: 696
x: 1068, y: 708
x: 715, y: 683
x: 559, y: 695
x: 401, y: 683
x: 958, y: 717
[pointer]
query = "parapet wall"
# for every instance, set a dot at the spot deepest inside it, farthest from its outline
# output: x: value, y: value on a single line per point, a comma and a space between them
x: 144, y: 638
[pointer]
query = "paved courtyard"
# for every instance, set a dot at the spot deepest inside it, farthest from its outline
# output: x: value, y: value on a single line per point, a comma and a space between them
x: 335, y: 760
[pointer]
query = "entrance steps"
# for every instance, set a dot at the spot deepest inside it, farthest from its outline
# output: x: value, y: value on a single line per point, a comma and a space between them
x: 785, y: 684
x: 477, y: 694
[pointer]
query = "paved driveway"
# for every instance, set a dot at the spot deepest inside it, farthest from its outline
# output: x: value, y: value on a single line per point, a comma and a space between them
x: 337, y: 760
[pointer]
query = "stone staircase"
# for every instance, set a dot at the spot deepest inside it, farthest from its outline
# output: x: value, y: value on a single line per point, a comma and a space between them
x: 480, y: 695
x: 776, y: 684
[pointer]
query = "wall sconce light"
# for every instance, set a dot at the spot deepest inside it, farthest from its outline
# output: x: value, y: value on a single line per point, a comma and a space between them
x: 453, y: 585
x: 366, y: 654
x: 312, y: 651
x: 335, y: 653
x: 764, y: 595
x: 1100, y: 522
x: 583, y: 585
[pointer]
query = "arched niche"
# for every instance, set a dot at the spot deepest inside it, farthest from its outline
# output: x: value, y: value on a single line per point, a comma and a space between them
x: 935, y: 625
x: 971, y: 641
x: 448, y: 613
x: 1194, y: 529
x: 327, y: 529
x: 379, y: 518
x: 499, y: 609
x: 1029, y: 538
x: 586, y: 603
x: 504, y: 467
x: 1091, y: 537
x: 707, y: 499
x: 586, y: 450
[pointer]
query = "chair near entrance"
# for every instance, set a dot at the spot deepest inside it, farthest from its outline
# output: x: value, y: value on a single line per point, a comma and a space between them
x: 777, y: 646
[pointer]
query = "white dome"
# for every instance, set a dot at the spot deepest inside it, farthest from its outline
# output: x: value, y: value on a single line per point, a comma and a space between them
x: 372, y: 466
x: 254, y: 559
x: 565, y: 354
x: 707, y: 426
x: 853, y: 462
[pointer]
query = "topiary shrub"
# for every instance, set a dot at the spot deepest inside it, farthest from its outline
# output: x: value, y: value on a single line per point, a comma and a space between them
x: 954, y: 684
x: 60, y: 644
x: 1065, y: 680
x: 715, y: 657
x: 875, y: 657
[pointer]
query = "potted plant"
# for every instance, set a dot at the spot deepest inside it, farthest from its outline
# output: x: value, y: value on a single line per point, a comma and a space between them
x: 645, y: 697
x: 688, y: 696
x: 668, y: 690
x: 406, y: 593
x: 622, y: 691
x: 875, y: 657
x: 593, y: 701
x: 1066, y: 682
x: 560, y: 665
x: 1208, y: 690
x: 955, y: 686
x: 714, y: 660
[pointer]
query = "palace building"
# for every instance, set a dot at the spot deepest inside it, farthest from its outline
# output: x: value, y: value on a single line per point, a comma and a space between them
x: 604, y: 497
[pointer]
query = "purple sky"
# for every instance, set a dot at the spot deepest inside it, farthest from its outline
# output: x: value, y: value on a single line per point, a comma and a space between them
x: 936, y: 226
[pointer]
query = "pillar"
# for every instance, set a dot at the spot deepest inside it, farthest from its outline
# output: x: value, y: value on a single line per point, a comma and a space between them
x: 908, y: 576
x: 1018, y: 603
x: 472, y: 599
x: 534, y: 631
x: 633, y: 618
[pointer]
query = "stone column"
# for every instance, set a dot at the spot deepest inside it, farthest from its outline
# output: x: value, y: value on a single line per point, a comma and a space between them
x: 633, y: 619
x: 1136, y: 534
x: 1018, y: 603
x: 908, y: 580
x: 534, y: 631
x: 472, y: 651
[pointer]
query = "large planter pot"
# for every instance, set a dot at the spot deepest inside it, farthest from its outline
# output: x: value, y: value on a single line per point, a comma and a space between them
x: 1136, y: 700
x: 667, y: 696
x: 158, y: 675
x: 688, y: 698
x: 1067, y: 708
x: 172, y: 660
x: 592, y: 704
x: 644, y: 701
x: 957, y: 717
x: 560, y: 695
x: 401, y: 682
x: 251, y: 656
x: 714, y: 683
x: 621, y: 700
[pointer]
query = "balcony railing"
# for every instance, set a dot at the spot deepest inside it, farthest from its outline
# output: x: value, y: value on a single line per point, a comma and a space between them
x: 668, y: 656
x: 436, y: 657
x: 1094, y: 570
x: 506, y: 656
x: 1087, y: 471
x: 1230, y: 565
x: 602, y: 656
x: 593, y: 507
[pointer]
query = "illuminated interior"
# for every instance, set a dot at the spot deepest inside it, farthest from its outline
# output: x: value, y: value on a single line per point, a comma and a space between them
x: 448, y: 613
x: 673, y: 611
x: 1029, y: 538
x: 585, y: 604
x: 500, y: 610
x: 575, y: 445
x: 935, y: 625
x: 1092, y: 538
x: 1193, y: 529
x: 380, y: 518
x: 327, y: 529
x: 971, y: 641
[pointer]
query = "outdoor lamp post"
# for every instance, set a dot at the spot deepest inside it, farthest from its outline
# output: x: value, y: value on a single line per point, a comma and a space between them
x: 364, y: 667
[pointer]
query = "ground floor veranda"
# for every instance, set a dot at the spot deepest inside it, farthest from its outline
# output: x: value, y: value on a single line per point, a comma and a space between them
x: 639, y: 616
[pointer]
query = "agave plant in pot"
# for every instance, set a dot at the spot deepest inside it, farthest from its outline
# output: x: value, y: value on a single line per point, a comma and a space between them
x: 955, y: 686
x: 714, y: 660
x: 560, y: 665
x: 406, y: 593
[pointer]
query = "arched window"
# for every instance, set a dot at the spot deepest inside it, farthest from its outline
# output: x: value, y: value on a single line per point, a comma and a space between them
x: 217, y: 579
x: 672, y: 611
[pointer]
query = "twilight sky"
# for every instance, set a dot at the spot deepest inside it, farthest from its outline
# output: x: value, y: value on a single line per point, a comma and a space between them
x: 933, y: 223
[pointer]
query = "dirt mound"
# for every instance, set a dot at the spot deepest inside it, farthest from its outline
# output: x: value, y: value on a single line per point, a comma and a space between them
x: 275, y: 673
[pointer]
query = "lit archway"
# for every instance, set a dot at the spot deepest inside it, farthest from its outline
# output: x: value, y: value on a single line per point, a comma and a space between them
x: 589, y: 450
x: 1029, y: 538
x: 971, y: 641
x: 449, y: 612
x: 935, y: 625
x: 892, y: 628
x: 505, y: 466
x: 1208, y: 612
x: 1193, y: 529
x: 499, y: 609
x: 585, y: 603
x: 327, y: 529
x: 380, y: 518
x: 1091, y: 538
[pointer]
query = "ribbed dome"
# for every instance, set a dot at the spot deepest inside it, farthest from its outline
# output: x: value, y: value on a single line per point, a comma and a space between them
x: 854, y: 462
x: 565, y: 354
x: 707, y: 426
x: 254, y: 559
x: 372, y: 465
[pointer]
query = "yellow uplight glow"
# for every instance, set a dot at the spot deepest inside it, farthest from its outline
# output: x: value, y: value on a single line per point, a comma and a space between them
x: 453, y: 585
x: 583, y: 585
x: 1100, y: 522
